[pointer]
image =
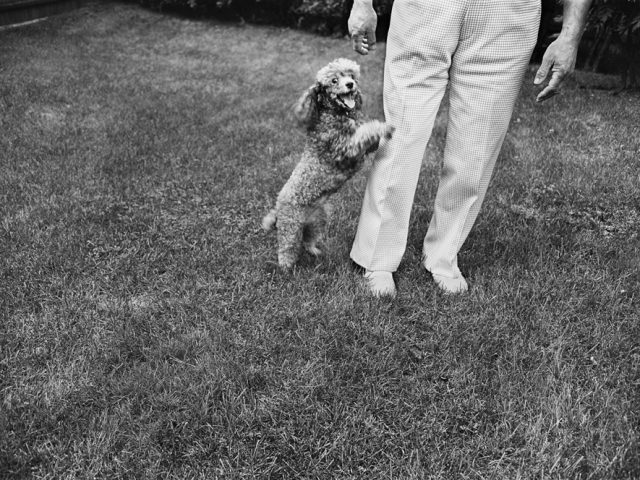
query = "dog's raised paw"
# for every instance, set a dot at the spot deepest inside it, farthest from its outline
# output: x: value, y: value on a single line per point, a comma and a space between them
x: 389, y: 131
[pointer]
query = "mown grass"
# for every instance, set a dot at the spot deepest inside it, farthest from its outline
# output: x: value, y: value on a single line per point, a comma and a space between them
x: 144, y: 333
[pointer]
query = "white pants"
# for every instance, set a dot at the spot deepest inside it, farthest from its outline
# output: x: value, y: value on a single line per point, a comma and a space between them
x: 482, y: 49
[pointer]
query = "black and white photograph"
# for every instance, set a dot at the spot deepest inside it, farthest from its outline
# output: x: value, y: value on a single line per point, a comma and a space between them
x: 320, y: 239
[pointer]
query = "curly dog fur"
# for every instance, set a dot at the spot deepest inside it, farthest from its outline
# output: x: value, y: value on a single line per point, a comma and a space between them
x: 337, y: 141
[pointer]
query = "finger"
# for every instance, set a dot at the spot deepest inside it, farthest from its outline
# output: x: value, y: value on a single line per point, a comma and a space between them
x: 543, y: 71
x: 556, y: 79
x: 359, y: 43
x: 552, y: 89
x: 546, y: 94
x: 371, y: 37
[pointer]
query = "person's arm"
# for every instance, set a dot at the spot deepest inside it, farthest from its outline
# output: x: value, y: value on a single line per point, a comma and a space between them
x: 362, y: 26
x: 560, y: 57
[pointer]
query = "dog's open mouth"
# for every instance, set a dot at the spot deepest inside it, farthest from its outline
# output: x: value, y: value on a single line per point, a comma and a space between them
x: 348, y: 100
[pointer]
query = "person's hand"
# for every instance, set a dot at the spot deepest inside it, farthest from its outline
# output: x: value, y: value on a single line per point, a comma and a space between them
x: 362, y: 26
x: 560, y: 59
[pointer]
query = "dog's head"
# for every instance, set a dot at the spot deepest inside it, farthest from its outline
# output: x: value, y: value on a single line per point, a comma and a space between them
x: 338, y: 82
x: 336, y: 89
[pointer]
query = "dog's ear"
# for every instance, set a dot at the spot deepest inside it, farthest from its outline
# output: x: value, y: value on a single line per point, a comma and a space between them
x: 306, y: 108
x: 358, y: 99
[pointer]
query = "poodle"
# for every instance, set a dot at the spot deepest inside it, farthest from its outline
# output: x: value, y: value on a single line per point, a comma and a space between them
x: 337, y: 141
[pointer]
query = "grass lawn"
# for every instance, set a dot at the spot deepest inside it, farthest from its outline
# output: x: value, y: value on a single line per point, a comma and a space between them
x: 144, y: 334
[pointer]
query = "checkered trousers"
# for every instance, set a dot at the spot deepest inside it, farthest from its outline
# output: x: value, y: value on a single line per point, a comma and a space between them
x: 481, y: 48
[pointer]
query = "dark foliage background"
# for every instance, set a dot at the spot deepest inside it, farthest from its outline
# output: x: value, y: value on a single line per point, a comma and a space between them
x: 611, y: 43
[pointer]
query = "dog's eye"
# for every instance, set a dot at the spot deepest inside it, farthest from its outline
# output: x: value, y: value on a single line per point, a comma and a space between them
x: 334, y: 80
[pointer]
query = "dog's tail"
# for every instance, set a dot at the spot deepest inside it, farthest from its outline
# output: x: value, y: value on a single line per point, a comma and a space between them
x: 269, y: 221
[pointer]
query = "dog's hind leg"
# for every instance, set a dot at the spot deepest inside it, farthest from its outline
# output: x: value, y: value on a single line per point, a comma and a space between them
x: 290, y: 229
x: 314, y: 230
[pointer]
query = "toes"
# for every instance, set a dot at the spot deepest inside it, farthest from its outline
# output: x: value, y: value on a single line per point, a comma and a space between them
x: 286, y: 267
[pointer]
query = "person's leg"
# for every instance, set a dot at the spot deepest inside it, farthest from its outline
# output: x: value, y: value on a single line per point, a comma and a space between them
x: 486, y: 74
x: 422, y: 37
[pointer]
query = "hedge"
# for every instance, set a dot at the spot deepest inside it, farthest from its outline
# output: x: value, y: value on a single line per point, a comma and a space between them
x: 328, y: 17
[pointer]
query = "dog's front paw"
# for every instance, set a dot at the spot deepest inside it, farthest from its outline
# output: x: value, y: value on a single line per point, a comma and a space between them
x: 313, y: 250
x: 389, y: 130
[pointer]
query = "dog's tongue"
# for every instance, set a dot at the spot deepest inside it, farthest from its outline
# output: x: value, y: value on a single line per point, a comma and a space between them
x: 349, y: 101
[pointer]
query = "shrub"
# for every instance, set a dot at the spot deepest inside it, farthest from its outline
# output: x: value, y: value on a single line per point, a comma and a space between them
x: 614, y: 25
x: 614, y: 31
x: 322, y: 16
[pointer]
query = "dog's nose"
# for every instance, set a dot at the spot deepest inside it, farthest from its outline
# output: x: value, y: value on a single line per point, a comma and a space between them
x: 349, y: 85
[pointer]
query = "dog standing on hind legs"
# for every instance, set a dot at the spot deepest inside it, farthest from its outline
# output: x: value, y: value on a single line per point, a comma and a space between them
x: 338, y: 139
